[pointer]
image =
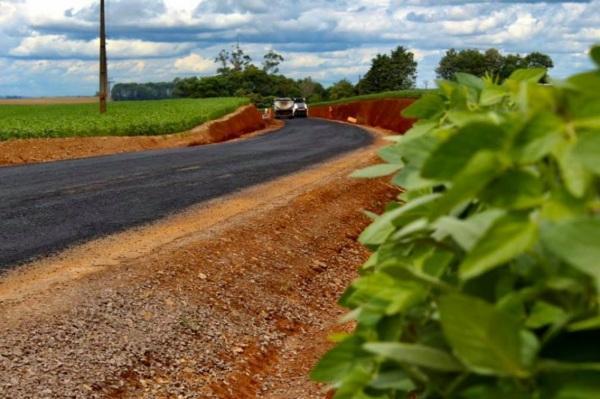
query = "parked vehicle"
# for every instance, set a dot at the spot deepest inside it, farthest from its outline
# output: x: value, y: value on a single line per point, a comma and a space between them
x: 283, y: 107
x: 300, y: 108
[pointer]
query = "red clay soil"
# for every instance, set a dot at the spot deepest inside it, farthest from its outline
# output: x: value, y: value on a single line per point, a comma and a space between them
x: 244, y: 121
x: 385, y: 113
x: 240, y: 310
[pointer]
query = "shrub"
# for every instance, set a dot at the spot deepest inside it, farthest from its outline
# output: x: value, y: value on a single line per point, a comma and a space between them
x: 485, y: 273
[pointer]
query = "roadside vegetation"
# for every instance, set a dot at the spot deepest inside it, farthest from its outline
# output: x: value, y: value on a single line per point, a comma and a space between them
x: 413, y: 93
x: 123, y: 118
x: 485, y: 276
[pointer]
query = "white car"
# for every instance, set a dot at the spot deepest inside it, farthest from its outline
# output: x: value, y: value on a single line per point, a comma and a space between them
x: 300, y: 108
x: 283, y: 107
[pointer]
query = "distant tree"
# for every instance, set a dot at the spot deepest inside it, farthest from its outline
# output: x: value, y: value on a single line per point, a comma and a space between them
x: 236, y: 60
x: 397, y: 71
x: 311, y: 90
x: 470, y: 61
x: 491, y: 62
x: 142, y: 91
x: 538, y: 60
x: 223, y: 60
x: 239, y: 60
x: 341, y: 89
x: 511, y: 63
x: 271, y: 62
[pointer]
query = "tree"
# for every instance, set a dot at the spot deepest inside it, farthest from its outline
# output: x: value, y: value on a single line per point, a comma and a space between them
x: 271, y: 62
x: 537, y: 60
x: 143, y: 91
x: 223, y: 59
x: 471, y: 61
x: 491, y: 61
x: 397, y: 71
x: 236, y: 60
x: 341, y: 89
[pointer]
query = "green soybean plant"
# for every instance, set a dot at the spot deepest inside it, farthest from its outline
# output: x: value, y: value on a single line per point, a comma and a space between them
x: 485, y: 273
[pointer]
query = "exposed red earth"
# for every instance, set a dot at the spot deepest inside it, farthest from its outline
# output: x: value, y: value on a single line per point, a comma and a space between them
x: 244, y: 121
x: 232, y: 299
x: 384, y: 113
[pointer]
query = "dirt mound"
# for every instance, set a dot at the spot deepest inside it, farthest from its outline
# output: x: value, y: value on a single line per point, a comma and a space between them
x: 384, y: 113
x: 245, y: 120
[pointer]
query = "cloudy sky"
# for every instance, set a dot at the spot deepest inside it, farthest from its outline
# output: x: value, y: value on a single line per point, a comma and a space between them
x: 49, y: 47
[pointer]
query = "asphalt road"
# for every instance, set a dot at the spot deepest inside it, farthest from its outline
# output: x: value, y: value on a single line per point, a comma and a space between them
x: 45, y: 208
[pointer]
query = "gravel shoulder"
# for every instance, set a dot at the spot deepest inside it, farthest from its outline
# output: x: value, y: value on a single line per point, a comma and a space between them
x: 231, y: 299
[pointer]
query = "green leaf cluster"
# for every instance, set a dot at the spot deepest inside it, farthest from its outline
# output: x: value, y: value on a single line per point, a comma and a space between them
x: 485, y: 273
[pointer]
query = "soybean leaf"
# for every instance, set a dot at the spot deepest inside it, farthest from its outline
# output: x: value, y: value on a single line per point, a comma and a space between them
x: 577, y: 242
x: 508, y: 238
x: 532, y: 75
x: 353, y: 383
x: 386, y: 295
x: 341, y: 360
x: 587, y: 324
x: 574, y: 174
x: 544, y: 314
x: 515, y: 189
x: 468, y: 232
x: 487, y: 340
x: 415, y: 354
x: 395, y: 379
x: 469, y: 80
x: 587, y: 151
x: 391, y: 154
x: 383, y: 226
x: 426, y: 107
x: 588, y: 82
x: 530, y: 347
x: 538, y: 137
x: 480, y: 171
x: 492, y: 95
x: 454, y: 154
x: 380, y: 170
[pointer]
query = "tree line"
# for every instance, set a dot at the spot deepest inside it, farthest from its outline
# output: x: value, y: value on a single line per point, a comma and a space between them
x: 238, y: 75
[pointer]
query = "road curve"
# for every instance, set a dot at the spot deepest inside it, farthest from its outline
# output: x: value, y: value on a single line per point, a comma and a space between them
x: 47, y: 207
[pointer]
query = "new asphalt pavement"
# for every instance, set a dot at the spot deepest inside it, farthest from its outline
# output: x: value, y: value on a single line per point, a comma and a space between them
x: 45, y: 208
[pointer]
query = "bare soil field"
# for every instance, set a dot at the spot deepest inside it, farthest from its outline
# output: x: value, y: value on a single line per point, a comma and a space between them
x: 242, y: 122
x: 232, y: 299
x: 49, y: 100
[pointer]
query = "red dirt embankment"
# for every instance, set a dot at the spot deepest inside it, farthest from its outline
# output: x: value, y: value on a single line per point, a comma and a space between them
x: 384, y: 113
x: 244, y: 121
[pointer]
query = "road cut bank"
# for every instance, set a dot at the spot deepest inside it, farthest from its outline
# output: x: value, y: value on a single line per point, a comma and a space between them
x: 382, y: 113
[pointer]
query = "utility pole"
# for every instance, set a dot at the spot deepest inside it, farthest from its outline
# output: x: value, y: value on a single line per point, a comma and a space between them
x: 103, y: 63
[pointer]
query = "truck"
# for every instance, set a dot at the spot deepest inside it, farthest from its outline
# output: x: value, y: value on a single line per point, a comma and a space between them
x: 283, y: 107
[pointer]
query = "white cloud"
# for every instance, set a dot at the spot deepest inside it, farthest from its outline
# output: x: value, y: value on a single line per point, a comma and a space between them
x: 60, y: 46
x: 194, y: 63
x: 328, y: 39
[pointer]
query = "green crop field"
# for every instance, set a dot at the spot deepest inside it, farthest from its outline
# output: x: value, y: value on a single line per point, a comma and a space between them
x: 123, y: 118
x: 414, y: 93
